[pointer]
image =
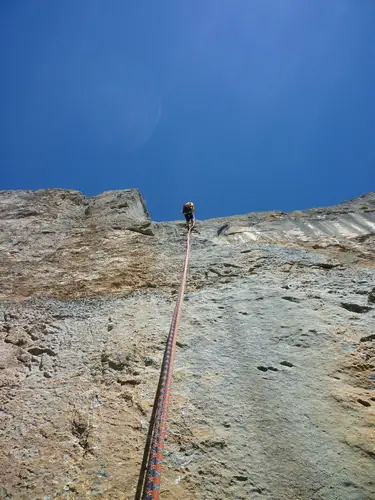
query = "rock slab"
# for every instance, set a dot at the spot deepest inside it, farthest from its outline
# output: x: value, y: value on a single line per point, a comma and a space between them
x: 273, y: 392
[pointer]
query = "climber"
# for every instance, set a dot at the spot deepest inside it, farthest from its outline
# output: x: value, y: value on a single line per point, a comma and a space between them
x: 188, y: 211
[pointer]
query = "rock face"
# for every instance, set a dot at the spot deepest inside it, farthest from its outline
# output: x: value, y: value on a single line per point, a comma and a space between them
x: 273, y: 393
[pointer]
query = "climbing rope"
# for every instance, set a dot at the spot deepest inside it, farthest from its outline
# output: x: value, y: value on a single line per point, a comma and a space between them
x: 149, y: 482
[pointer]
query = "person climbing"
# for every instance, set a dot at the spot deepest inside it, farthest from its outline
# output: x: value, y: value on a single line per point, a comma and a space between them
x: 188, y: 211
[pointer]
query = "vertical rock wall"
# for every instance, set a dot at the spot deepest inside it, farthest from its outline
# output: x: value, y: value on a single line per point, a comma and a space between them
x: 273, y: 394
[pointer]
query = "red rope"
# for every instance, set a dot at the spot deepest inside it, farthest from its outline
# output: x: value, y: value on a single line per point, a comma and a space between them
x: 154, y: 451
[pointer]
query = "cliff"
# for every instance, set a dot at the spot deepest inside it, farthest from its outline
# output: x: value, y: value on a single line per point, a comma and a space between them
x: 273, y: 393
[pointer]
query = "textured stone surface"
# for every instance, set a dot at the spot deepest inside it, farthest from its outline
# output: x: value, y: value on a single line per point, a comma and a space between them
x: 273, y: 394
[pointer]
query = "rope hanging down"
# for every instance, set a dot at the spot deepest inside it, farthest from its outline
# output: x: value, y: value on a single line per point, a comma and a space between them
x: 157, y: 433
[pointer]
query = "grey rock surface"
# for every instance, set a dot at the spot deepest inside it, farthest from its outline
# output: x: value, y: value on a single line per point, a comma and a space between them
x: 273, y: 392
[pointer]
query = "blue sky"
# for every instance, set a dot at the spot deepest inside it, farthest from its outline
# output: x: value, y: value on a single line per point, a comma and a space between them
x: 237, y: 105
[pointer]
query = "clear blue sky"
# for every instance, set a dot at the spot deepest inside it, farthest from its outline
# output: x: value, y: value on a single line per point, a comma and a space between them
x: 237, y: 105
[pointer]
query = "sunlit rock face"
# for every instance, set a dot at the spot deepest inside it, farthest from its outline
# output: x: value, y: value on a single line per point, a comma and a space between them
x: 273, y: 392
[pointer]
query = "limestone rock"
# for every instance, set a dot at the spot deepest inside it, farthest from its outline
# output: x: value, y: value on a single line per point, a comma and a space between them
x: 273, y: 392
